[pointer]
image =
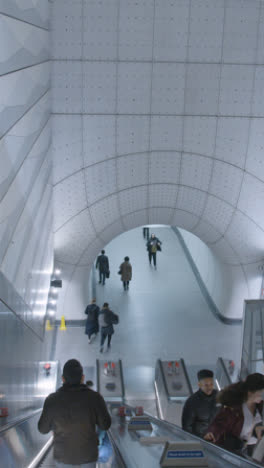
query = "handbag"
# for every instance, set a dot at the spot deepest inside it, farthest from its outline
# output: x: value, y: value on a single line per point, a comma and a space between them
x: 119, y: 272
x: 107, y: 275
x: 159, y: 247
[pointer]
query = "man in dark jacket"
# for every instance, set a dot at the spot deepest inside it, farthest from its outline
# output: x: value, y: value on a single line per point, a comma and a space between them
x: 107, y: 318
x: 153, y: 245
x: 72, y: 413
x: 102, y: 264
x: 200, y: 408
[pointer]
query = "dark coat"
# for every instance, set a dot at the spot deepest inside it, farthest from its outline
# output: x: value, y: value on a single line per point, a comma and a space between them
x: 102, y: 263
x: 199, y: 410
x: 72, y: 413
x: 227, y: 425
x: 92, y: 312
x: 126, y: 271
x: 153, y: 241
x: 106, y: 320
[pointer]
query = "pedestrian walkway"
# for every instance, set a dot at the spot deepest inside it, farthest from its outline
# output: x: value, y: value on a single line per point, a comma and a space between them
x: 163, y: 315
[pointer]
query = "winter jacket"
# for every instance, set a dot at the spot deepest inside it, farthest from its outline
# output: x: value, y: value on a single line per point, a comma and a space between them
x: 106, y: 320
x: 126, y: 271
x: 153, y: 243
x: 102, y: 263
x: 92, y: 312
x: 72, y: 413
x: 227, y: 426
x: 199, y: 410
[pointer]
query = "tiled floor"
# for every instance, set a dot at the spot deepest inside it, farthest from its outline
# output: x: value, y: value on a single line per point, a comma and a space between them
x: 163, y: 315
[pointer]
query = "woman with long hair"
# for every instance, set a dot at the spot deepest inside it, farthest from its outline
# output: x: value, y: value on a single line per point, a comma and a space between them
x: 238, y: 424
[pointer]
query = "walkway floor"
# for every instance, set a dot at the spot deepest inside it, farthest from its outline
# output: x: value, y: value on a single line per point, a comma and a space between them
x: 163, y: 315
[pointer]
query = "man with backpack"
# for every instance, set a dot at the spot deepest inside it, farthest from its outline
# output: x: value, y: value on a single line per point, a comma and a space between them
x: 107, y: 319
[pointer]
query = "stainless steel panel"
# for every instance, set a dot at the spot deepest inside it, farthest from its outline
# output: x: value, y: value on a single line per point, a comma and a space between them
x: 110, y: 380
x: 21, y: 443
x: 175, y: 379
x: 226, y: 373
x: 20, y: 352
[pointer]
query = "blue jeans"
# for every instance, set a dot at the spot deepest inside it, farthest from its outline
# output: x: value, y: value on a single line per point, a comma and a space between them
x: 84, y: 465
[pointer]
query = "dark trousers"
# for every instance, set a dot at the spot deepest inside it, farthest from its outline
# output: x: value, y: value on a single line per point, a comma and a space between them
x: 146, y: 233
x: 103, y: 337
x: 102, y: 277
x: 152, y: 255
x: 126, y: 284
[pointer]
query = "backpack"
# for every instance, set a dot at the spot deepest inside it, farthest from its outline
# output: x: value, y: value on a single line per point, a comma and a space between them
x: 110, y: 318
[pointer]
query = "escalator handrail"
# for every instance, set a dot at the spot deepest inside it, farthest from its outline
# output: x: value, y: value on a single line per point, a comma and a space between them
x: 119, y: 456
x: 209, y: 446
x: 18, y: 421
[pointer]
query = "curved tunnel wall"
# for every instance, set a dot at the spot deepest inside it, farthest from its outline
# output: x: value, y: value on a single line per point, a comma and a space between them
x: 158, y: 118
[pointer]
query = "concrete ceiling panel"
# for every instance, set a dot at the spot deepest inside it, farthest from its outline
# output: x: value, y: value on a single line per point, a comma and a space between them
x: 92, y: 251
x: 241, y: 32
x: 236, y: 90
x: 226, y: 182
x: 166, y: 133
x: 255, y: 159
x: 202, y: 85
x: 171, y: 30
x: 232, y: 140
x: 100, y: 29
x: 67, y: 87
x: 132, y: 134
x: 199, y: 135
x: 100, y: 180
x: 218, y: 213
x: 135, y: 219
x: 132, y: 170
x: 191, y: 200
x: 69, y: 199
x: 112, y: 231
x: 160, y: 215
x: 206, y: 31
x: 206, y: 232
x: 168, y: 83
x: 134, y: 199
x: 257, y: 104
x: 134, y: 88
x: 71, y: 239
x: 66, y: 145
x: 246, y: 238
x: 99, y: 87
x: 105, y: 212
x: 98, y: 138
x: 66, y: 23
x: 162, y: 195
x: 251, y: 200
x: 165, y: 167
x: 196, y: 171
x: 136, y: 30
x: 184, y: 220
x: 225, y: 252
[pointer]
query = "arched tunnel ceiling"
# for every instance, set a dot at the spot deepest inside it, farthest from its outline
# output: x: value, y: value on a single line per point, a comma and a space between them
x: 158, y: 118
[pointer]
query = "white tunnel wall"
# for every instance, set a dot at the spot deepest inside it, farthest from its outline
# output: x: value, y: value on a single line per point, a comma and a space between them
x: 26, y: 191
x: 158, y: 118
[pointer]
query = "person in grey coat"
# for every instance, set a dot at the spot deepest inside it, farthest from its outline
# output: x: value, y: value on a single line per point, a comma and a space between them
x: 107, y: 319
x: 102, y: 263
x: 125, y: 270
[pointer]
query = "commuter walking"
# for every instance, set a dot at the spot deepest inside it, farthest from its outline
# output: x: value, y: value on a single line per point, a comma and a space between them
x: 146, y: 233
x: 200, y: 408
x: 92, y: 326
x: 102, y: 263
x: 153, y: 246
x: 107, y: 319
x: 72, y: 413
x: 238, y: 425
x: 125, y: 270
